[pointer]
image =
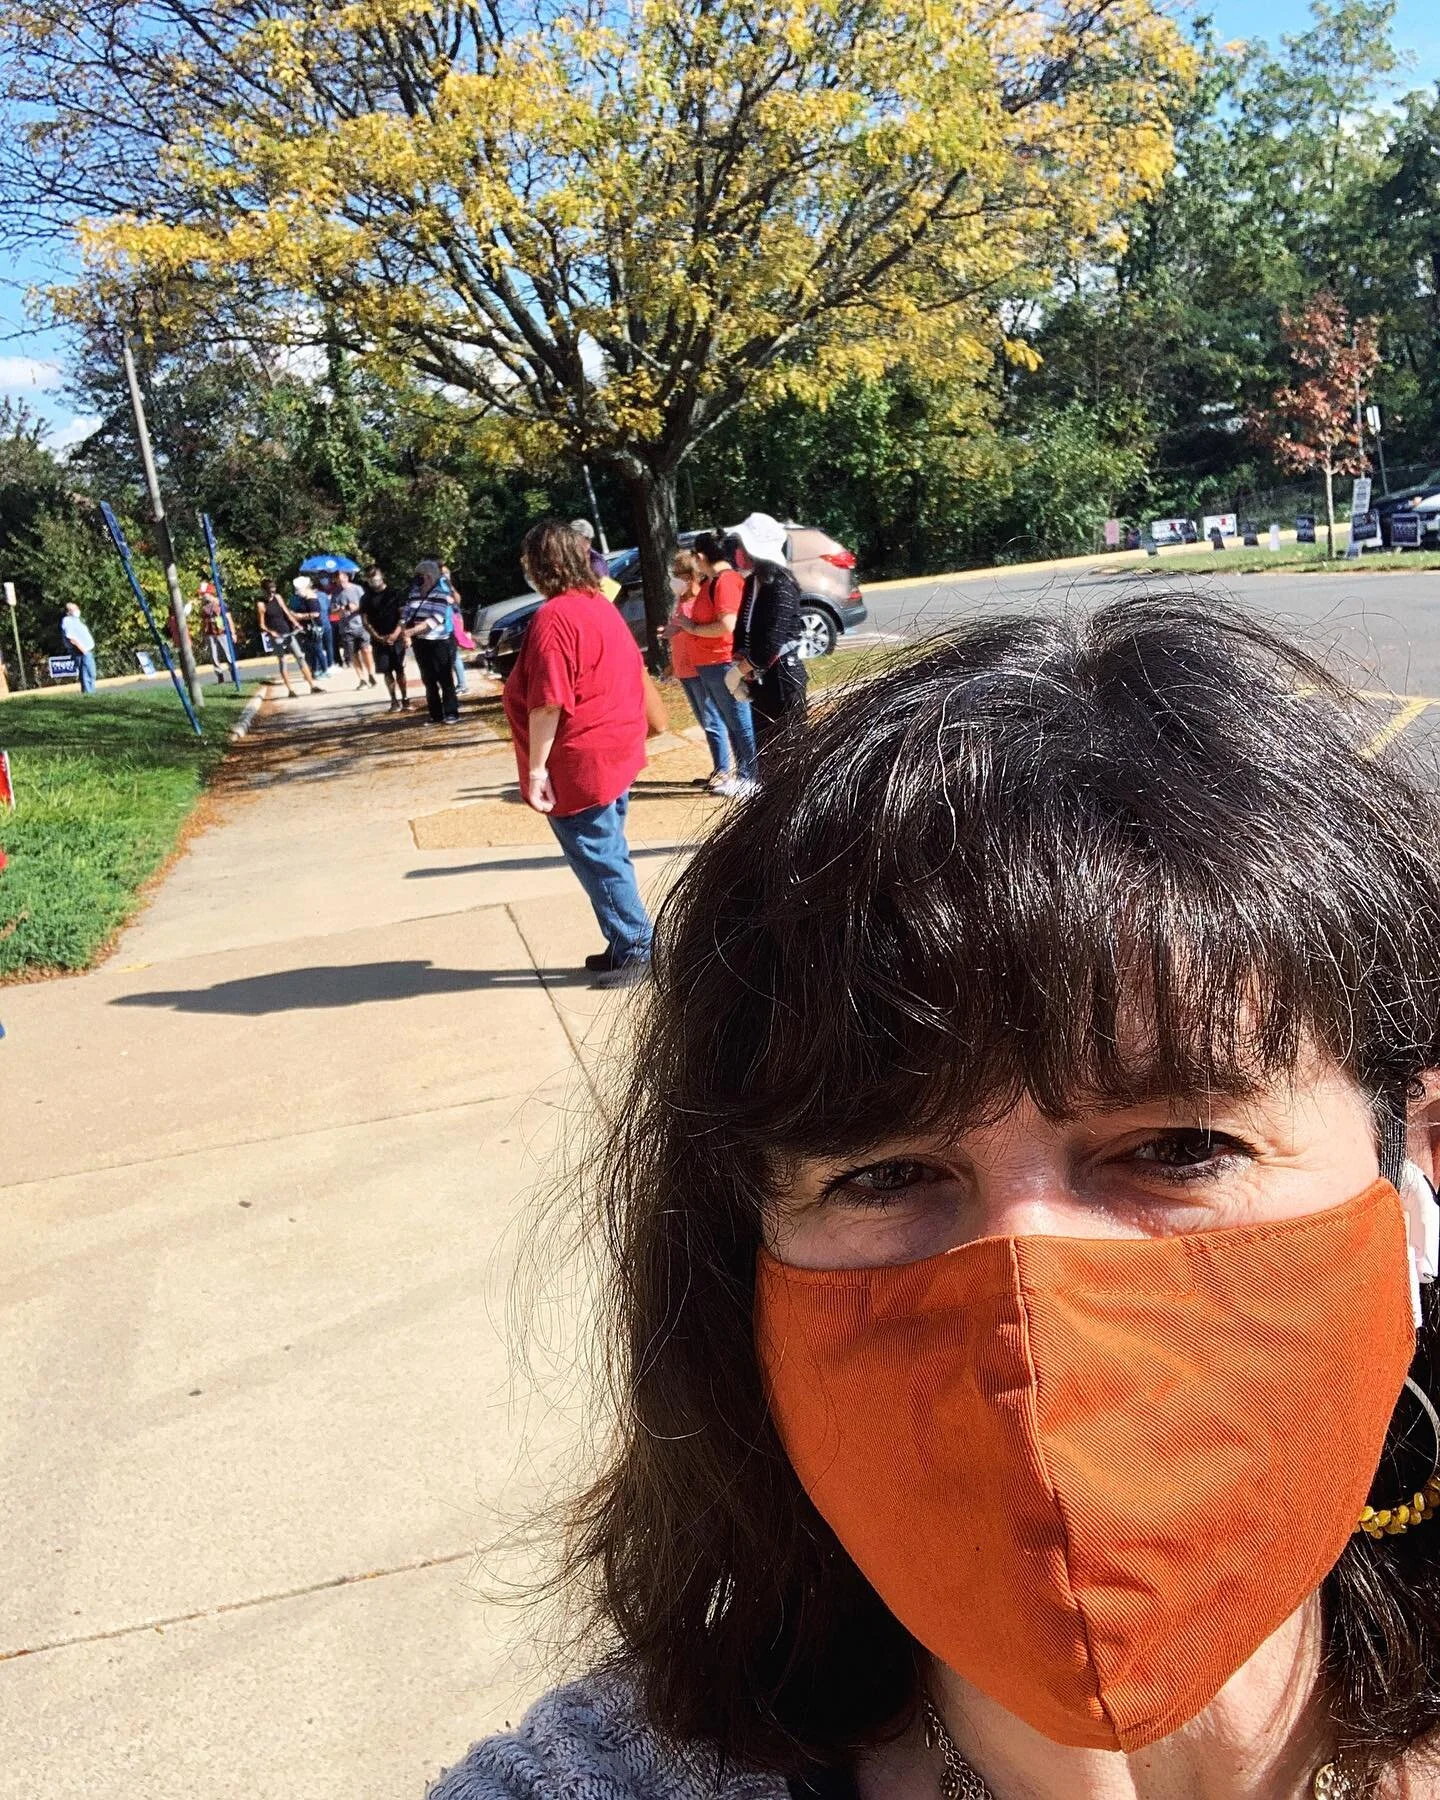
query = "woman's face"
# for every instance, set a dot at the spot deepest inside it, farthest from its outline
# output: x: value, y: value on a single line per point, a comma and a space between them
x: 1305, y: 1143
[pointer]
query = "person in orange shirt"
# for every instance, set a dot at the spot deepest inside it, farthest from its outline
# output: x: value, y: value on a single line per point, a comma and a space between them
x: 702, y: 655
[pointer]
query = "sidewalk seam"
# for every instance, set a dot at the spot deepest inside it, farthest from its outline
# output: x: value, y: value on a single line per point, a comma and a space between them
x: 233, y: 1606
x: 141, y: 1162
x: 564, y: 1023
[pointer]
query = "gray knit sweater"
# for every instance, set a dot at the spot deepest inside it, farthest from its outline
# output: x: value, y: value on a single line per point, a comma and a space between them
x: 589, y: 1741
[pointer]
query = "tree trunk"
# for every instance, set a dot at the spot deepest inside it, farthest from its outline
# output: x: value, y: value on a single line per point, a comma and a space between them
x: 1330, y: 511
x: 653, y: 515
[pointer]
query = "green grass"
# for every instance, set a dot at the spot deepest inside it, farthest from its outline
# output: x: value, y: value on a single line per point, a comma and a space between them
x: 104, y: 785
x: 1309, y: 559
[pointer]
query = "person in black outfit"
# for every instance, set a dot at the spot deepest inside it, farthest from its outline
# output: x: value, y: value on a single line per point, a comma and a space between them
x: 380, y: 609
x: 767, y: 632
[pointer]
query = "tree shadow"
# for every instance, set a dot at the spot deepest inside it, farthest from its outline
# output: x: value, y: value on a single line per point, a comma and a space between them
x: 333, y: 985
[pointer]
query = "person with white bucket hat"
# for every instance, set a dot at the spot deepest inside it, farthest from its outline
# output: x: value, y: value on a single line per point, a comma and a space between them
x: 767, y: 633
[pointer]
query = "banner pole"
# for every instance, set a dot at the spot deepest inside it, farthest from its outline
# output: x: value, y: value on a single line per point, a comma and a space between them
x: 209, y: 531
x: 117, y: 537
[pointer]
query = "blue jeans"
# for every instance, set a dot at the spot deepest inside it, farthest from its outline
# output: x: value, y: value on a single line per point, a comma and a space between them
x: 712, y: 723
x: 735, y: 713
x: 595, y: 848
x: 86, y: 659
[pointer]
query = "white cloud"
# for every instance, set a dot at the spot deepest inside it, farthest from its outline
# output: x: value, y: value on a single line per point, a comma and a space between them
x: 27, y: 374
x: 73, y: 431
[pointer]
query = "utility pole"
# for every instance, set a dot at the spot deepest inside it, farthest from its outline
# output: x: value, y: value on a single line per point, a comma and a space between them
x: 162, y: 530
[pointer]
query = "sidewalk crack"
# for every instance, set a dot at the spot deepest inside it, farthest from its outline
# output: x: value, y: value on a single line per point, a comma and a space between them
x: 234, y: 1606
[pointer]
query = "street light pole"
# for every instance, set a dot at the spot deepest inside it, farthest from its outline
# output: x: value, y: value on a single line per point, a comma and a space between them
x: 162, y: 530
x: 1376, y: 421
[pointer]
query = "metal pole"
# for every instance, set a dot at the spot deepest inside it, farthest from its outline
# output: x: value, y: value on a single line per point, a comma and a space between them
x: 595, y: 508
x: 15, y: 627
x: 162, y: 529
x: 1380, y: 447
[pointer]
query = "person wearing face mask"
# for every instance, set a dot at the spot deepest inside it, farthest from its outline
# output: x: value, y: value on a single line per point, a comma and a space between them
x: 693, y: 615
x: 1019, y: 1205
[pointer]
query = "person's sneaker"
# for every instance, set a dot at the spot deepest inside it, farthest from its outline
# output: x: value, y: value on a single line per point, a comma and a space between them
x: 625, y: 974
x: 741, y: 787
x: 600, y: 962
x: 394, y: 706
x: 451, y: 719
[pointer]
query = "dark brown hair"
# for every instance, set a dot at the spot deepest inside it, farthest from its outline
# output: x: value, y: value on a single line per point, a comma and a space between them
x: 556, y: 559
x: 951, y: 881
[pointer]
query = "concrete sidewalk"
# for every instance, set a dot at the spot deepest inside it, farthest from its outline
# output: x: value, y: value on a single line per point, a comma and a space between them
x: 267, y: 1174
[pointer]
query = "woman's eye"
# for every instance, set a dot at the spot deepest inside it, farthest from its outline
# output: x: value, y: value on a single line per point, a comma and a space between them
x: 1195, y: 1151
x: 881, y: 1181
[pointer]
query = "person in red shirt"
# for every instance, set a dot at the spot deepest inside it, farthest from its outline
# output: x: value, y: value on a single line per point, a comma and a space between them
x: 708, y: 624
x: 575, y: 702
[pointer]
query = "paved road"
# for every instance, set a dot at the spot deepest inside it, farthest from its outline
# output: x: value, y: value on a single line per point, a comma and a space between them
x: 1385, y: 628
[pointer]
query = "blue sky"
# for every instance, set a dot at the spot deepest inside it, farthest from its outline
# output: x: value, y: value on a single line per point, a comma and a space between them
x: 31, y: 361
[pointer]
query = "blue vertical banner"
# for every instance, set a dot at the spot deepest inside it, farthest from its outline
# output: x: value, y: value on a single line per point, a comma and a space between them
x: 209, y: 531
x: 117, y: 537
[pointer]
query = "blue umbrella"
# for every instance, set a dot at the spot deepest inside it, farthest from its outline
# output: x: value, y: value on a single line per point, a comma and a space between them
x: 328, y: 565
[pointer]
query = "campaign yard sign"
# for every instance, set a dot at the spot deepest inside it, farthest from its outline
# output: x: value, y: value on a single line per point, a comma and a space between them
x: 1112, y: 534
x: 1405, y: 531
x: 1364, y: 527
x: 1360, y: 497
x: 1305, y: 528
x: 1168, y: 531
x: 64, y: 668
x: 1224, y: 523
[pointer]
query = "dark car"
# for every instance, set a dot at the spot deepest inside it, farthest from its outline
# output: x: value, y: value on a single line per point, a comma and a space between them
x: 1405, y: 500
x: 831, y: 601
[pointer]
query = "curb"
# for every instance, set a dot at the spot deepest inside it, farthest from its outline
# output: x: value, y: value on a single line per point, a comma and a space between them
x: 247, y: 718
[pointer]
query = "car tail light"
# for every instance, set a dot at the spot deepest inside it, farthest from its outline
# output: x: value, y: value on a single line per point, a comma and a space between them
x: 842, y: 559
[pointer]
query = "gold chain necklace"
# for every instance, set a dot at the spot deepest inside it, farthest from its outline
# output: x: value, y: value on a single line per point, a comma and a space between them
x: 958, y: 1781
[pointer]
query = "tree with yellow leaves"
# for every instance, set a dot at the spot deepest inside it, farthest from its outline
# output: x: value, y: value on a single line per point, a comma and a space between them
x: 610, y: 224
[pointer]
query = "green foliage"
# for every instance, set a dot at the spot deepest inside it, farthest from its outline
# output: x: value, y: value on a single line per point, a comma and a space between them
x: 104, y: 784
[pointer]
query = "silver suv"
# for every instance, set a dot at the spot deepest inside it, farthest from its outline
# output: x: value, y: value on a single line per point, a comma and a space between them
x: 831, y: 601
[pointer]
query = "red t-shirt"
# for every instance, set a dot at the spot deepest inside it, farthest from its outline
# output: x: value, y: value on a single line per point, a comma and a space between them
x: 720, y: 597
x: 579, y: 655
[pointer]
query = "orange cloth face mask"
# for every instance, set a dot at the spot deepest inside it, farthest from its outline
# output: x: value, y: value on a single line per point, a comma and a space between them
x: 1093, y: 1476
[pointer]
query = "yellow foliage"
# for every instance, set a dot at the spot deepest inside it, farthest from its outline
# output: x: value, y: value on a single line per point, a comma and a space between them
x: 608, y: 227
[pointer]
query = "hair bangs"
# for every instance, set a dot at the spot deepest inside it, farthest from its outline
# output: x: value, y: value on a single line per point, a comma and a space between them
x: 1096, y: 890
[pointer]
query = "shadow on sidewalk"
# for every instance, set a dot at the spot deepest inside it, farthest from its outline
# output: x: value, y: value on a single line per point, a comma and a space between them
x: 638, y: 853
x: 358, y: 984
